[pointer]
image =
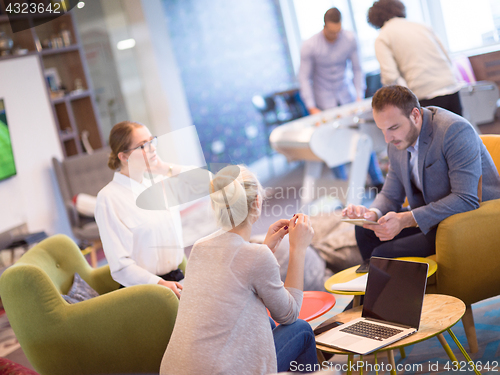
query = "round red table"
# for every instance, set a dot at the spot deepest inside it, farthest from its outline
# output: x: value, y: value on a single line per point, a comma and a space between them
x: 315, y: 304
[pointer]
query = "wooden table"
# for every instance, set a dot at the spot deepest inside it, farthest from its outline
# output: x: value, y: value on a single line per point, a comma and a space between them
x: 350, y: 274
x: 439, y: 314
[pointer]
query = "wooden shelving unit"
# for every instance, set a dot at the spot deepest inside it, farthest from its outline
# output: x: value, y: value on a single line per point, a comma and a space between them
x: 73, y: 107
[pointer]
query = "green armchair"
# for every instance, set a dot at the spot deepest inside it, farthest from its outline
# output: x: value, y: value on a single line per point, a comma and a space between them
x: 467, y: 246
x: 122, y: 331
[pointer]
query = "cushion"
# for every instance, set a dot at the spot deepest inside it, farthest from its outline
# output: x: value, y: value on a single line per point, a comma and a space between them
x: 335, y: 241
x: 7, y: 367
x: 80, y: 291
x: 85, y: 204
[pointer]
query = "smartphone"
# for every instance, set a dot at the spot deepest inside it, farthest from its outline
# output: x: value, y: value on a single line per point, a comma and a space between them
x: 363, y: 268
x: 326, y: 326
x: 359, y: 222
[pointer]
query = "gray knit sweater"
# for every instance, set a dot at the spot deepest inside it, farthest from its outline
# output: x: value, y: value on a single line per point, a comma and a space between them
x: 222, y: 326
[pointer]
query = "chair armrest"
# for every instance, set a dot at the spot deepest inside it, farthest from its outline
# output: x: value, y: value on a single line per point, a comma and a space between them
x: 124, y: 331
x: 183, y: 264
x: 100, y: 279
x: 72, y: 214
x: 467, y: 246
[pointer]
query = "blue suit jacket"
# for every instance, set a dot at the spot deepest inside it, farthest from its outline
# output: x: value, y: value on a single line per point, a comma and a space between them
x: 451, y: 159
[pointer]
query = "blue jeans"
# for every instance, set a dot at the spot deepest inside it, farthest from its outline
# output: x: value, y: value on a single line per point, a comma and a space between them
x: 376, y: 176
x: 295, y: 346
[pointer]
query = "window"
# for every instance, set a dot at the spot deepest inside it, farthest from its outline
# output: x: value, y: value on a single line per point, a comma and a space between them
x: 310, y: 15
x: 460, y: 24
x: 354, y: 17
x: 470, y: 23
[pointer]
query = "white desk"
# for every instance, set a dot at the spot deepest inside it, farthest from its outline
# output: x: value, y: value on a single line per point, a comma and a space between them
x: 335, y: 137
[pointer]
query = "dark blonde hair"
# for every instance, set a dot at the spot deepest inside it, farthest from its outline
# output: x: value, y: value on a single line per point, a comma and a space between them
x: 119, y: 141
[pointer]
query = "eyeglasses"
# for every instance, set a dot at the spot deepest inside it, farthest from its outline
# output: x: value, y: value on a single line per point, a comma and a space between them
x: 145, y: 146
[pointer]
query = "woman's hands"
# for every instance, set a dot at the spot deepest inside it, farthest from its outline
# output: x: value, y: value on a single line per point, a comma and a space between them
x: 174, y: 285
x: 300, y: 232
x: 276, y: 233
x: 299, y: 228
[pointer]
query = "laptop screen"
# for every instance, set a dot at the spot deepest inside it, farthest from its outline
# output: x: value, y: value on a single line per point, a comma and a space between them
x: 395, y: 291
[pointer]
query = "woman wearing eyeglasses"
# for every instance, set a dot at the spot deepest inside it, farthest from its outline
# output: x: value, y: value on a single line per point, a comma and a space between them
x: 141, y: 246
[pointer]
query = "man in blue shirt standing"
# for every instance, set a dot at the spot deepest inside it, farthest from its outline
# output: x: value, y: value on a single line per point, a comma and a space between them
x: 322, y: 75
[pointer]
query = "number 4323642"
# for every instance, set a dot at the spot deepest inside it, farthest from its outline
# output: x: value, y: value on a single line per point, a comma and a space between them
x: 33, y: 8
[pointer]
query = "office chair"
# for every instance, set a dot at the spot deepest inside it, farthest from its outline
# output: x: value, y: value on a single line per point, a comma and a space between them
x: 373, y: 83
x: 276, y: 109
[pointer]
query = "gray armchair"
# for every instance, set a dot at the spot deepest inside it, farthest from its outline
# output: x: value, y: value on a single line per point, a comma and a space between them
x: 87, y: 173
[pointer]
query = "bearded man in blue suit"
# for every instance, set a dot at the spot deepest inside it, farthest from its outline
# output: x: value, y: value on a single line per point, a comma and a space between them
x: 437, y: 161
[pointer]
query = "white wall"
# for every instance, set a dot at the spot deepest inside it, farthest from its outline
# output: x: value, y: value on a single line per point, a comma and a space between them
x: 32, y: 195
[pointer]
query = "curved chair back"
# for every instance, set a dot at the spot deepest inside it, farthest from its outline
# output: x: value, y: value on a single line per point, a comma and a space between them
x: 492, y: 143
x: 87, y: 173
x: 466, y: 252
x: 121, y: 331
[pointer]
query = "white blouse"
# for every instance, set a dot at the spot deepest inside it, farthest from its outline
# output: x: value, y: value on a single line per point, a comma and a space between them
x: 139, y: 244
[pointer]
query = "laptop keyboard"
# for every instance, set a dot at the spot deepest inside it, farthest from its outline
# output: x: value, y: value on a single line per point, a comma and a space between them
x: 372, y: 331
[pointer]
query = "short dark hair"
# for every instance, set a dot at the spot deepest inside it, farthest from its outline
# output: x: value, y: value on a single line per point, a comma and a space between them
x: 333, y: 15
x: 397, y: 96
x: 383, y: 10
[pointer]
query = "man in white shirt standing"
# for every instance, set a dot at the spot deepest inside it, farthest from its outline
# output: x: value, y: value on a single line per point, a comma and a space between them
x: 411, y: 55
x: 324, y: 60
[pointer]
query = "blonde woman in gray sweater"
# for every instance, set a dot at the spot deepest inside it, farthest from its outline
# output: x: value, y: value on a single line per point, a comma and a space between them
x: 222, y: 326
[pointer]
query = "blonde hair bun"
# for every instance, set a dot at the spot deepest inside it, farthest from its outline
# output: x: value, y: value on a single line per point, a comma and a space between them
x: 233, y: 191
x: 224, y: 188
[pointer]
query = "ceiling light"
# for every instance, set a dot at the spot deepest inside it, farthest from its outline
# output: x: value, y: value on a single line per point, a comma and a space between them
x: 125, y: 44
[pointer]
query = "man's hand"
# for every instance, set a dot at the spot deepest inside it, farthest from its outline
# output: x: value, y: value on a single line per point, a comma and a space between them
x: 391, y: 224
x: 276, y: 233
x: 313, y: 110
x: 359, y: 212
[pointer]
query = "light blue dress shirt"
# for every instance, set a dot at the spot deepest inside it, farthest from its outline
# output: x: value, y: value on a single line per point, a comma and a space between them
x: 322, y: 74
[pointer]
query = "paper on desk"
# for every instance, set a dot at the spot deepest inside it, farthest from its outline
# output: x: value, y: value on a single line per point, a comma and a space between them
x: 356, y: 285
